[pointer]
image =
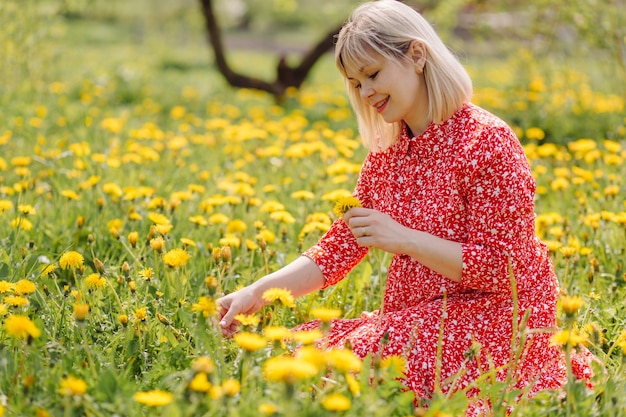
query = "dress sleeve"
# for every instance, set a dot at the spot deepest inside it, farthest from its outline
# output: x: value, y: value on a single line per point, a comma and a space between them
x: 337, y: 252
x: 499, y: 190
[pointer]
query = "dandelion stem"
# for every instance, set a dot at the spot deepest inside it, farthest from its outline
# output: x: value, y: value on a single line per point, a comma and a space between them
x: 92, y: 364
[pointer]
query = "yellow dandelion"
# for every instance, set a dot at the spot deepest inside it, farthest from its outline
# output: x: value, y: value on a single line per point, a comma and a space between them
x: 22, y: 223
x: 568, y: 251
x: 571, y: 305
x: 147, y: 273
x: 141, y: 314
x: 205, y: 305
x: 325, y: 314
x: 154, y: 398
x: 268, y: 409
x: 302, y: 195
x: 248, y: 319
x: 307, y: 337
x: 336, y: 402
x: 72, y: 386
x: 16, y: 301
x: 344, y: 360
x: 279, y: 294
x: 344, y: 204
x: 231, y: 387
x: 250, y: 341
x: 6, y: 286
x: 199, y: 220
x: 21, y: 327
x: 230, y: 239
x: 568, y: 338
x: 313, y: 355
x: 71, y: 259
x: 283, y: 216
x: 393, y: 362
x: 81, y: 311
x: 95, y: 281
x: 48, y: 269
x: 203, y: 364
x: 188, y: 242
x: 288, y: 369
x: 5, y: 205
x: 266, y: 235
x: 236, y: 226
x: 26, y: 209
x: 70, y: 195
x: 276, y: 333
x: 158, y: 218
x: 176, y: 258
x: 200, y: 383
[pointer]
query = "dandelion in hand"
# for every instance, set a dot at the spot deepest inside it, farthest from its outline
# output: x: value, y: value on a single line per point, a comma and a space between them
x: 344, y: 204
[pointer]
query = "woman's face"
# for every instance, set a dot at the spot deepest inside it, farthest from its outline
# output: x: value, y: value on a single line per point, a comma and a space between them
x: 395, y: 90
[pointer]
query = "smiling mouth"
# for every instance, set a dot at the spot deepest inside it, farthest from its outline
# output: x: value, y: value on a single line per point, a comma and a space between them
x: 380, y: 106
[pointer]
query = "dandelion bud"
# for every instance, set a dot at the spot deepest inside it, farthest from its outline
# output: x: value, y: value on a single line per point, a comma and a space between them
x: 80, y: 311
x: 217, y: 255
x: 90, y: 238
x: 23, y: 253
x: 210, y: 282
x: 262, y: 243
x: 225, y: 253
x: 114, y: 232
x: 133, y: 238
x: 163, y: 319
x: 133, y: 286
x: 126, y: 269
x: 80, y: 222
x: 99, y: 265
x: 46, y: 290
x: 157, y: 243
x: 174, y: 203
x: 100, y: 203
x: 123, y: 319
x: 120, y: 280
x: 283, y: 233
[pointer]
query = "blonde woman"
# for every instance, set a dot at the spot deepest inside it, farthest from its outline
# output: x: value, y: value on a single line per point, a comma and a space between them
x: 445, y: 188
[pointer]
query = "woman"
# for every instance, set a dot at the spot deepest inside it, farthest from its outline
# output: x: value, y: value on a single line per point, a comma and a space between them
x: 447, y: 189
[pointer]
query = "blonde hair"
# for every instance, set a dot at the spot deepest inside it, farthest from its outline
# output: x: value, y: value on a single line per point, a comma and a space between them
x: 387, y: 28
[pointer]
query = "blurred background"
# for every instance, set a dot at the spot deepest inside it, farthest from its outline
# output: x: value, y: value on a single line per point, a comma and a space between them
x: 162, y: 46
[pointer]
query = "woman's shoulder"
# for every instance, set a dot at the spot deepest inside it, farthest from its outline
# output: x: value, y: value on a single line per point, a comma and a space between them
x: 476, y: 117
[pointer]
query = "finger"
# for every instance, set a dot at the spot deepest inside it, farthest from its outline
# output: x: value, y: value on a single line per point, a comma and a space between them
x: 228, y: 317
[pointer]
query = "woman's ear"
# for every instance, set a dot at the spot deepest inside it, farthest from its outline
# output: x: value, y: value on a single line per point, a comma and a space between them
x: 417, y: 54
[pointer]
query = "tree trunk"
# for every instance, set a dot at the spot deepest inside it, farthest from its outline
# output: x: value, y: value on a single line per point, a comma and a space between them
x: 286, y: 75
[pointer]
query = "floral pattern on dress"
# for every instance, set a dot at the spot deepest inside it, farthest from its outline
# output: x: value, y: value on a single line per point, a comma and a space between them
x: 465, y: 180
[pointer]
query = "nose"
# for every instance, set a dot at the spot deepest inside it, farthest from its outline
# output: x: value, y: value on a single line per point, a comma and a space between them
x: 366, y: 90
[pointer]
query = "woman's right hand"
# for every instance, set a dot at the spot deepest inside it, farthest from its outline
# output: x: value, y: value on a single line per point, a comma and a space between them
x: 244, y: 301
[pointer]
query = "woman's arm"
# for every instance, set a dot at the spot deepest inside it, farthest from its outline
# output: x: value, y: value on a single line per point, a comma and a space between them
x: 301, y: 277
x: 372, y: 228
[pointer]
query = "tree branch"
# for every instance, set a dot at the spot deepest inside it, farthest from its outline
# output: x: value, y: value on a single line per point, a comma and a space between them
x: 286, y: 75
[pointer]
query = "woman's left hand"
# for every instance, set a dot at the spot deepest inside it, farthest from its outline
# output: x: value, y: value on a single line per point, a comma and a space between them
x: 378, y: 230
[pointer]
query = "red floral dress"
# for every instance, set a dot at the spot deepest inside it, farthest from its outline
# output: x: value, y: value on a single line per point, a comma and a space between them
x: 465, y: 180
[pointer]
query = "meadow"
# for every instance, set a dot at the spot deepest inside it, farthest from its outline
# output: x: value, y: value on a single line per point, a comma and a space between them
x: 136, y: 188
